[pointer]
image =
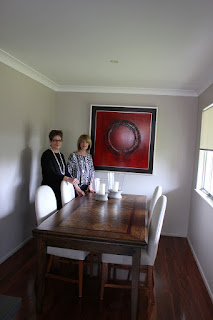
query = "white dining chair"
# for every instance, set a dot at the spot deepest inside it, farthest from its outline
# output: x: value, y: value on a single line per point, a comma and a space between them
x: 45, y: 206
x: 45, y: 203
x: 156, y: 194
x: 67, y: 192
x: 148, y: 255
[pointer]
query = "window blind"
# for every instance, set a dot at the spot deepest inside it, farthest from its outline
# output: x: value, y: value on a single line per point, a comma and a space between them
x: 206, y: 139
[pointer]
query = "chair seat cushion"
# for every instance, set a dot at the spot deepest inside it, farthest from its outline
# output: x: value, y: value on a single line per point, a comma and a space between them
x: 126, y: 260
x: 117, y: 259
x: 67, y: 253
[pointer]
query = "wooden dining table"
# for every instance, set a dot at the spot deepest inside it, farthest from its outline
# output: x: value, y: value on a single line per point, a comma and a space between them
x: 117, y: 226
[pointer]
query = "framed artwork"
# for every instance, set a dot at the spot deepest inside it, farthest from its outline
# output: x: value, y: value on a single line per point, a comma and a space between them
x: 123, y: 138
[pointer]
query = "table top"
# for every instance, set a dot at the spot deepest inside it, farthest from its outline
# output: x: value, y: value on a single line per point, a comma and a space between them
x: 122, y: 221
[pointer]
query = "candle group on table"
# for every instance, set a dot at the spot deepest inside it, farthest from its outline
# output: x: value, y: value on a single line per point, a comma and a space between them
x: 115, y: 186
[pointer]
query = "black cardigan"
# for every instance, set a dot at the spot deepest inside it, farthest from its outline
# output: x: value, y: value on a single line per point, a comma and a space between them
x: 51, y: 173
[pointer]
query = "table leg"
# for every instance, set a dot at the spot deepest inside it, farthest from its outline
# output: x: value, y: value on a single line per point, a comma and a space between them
x: 40, y: 281
x: 135, y: 282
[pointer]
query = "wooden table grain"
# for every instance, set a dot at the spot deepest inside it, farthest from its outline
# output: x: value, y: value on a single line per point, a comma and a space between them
x: 116, y: 226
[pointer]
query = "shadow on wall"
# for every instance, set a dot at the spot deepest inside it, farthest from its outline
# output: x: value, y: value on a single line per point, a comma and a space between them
x: 26, y: 209
x: 17, y: 226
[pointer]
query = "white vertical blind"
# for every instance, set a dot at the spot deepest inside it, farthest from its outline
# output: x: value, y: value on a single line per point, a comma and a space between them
x: 206, y: 139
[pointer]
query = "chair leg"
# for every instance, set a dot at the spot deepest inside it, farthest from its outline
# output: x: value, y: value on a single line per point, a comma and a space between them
x: 129, y: 274
x: 151, y: 283
x: 91, y: 263
x: 92, y: 260
x: 114, y: 273
x: 99, y: 263
x: 80, y: 277
x: 49, y: 263
x: 109, y: 268
x: 153, y: 286
x: 103, y: 277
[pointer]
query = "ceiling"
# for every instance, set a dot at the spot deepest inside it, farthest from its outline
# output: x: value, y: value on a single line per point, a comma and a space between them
x: 160, y: 45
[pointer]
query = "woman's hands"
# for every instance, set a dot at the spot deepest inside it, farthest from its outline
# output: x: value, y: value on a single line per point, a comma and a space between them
x: 74, y: 181
x: 78, y: 190
x: 90, y: 189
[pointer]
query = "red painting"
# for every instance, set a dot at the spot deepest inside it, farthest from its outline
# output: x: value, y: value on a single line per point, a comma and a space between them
x: 123, y: 138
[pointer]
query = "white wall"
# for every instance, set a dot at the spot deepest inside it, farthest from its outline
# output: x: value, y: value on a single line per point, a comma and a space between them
x: 27, y: 115
x: 174, y: 153
x: 200, y: 233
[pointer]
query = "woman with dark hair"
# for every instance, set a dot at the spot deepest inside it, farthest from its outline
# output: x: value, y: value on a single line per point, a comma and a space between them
x: 54, y: 168
x: 80, y: 165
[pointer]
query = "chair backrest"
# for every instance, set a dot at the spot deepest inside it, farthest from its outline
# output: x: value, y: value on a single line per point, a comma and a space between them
x: 67, y: 192
x: 156, y: 194
x: 156, y: 227
x: 45, y: 203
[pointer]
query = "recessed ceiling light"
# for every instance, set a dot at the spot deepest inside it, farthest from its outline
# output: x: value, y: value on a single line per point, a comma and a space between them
x: 114, y: 61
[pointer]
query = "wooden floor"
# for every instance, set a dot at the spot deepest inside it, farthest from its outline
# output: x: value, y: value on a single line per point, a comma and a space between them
x: 180, y: 291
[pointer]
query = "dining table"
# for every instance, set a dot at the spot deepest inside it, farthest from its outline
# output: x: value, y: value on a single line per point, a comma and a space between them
x: 116, y: 226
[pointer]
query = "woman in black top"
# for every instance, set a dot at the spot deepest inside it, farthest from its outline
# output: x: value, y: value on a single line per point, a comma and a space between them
x: 54, y: 168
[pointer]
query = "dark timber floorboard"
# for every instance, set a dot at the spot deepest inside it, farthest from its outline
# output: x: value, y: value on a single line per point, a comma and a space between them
x: 179, y: 289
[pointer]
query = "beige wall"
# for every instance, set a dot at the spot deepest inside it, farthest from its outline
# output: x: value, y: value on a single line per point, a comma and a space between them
x: 200, y: 232
x: 174, y: 153
x: 27, y: 114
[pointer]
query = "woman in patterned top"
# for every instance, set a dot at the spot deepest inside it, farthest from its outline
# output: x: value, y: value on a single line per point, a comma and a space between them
x: 80, y: 165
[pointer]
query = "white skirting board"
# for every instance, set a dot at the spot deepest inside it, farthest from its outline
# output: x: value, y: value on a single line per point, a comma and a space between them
x: 201, y: 271
x: 14, y: 250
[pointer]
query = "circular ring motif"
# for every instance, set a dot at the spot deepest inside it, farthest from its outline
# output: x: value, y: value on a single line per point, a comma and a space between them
x: 123, y: 150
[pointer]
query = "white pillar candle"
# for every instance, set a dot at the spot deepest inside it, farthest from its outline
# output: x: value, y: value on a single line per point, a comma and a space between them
x: 102, y: 189
x: 115, y: 186
x: 97, y: 185
x: 110, y: 179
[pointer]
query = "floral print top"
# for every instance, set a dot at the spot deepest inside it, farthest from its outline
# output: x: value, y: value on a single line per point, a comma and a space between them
x: 81, y: 167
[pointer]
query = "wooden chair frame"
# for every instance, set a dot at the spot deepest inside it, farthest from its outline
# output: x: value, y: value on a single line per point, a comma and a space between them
x: 80, y: 263
x: 147, y: 285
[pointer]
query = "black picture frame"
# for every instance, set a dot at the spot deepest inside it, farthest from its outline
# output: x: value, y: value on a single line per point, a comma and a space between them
x: 139, y: 122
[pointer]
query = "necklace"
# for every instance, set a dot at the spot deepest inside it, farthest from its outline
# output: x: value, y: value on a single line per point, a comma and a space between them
x: 62, y: 170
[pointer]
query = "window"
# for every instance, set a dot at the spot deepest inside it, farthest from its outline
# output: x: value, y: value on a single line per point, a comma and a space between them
x: 205, y: 167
